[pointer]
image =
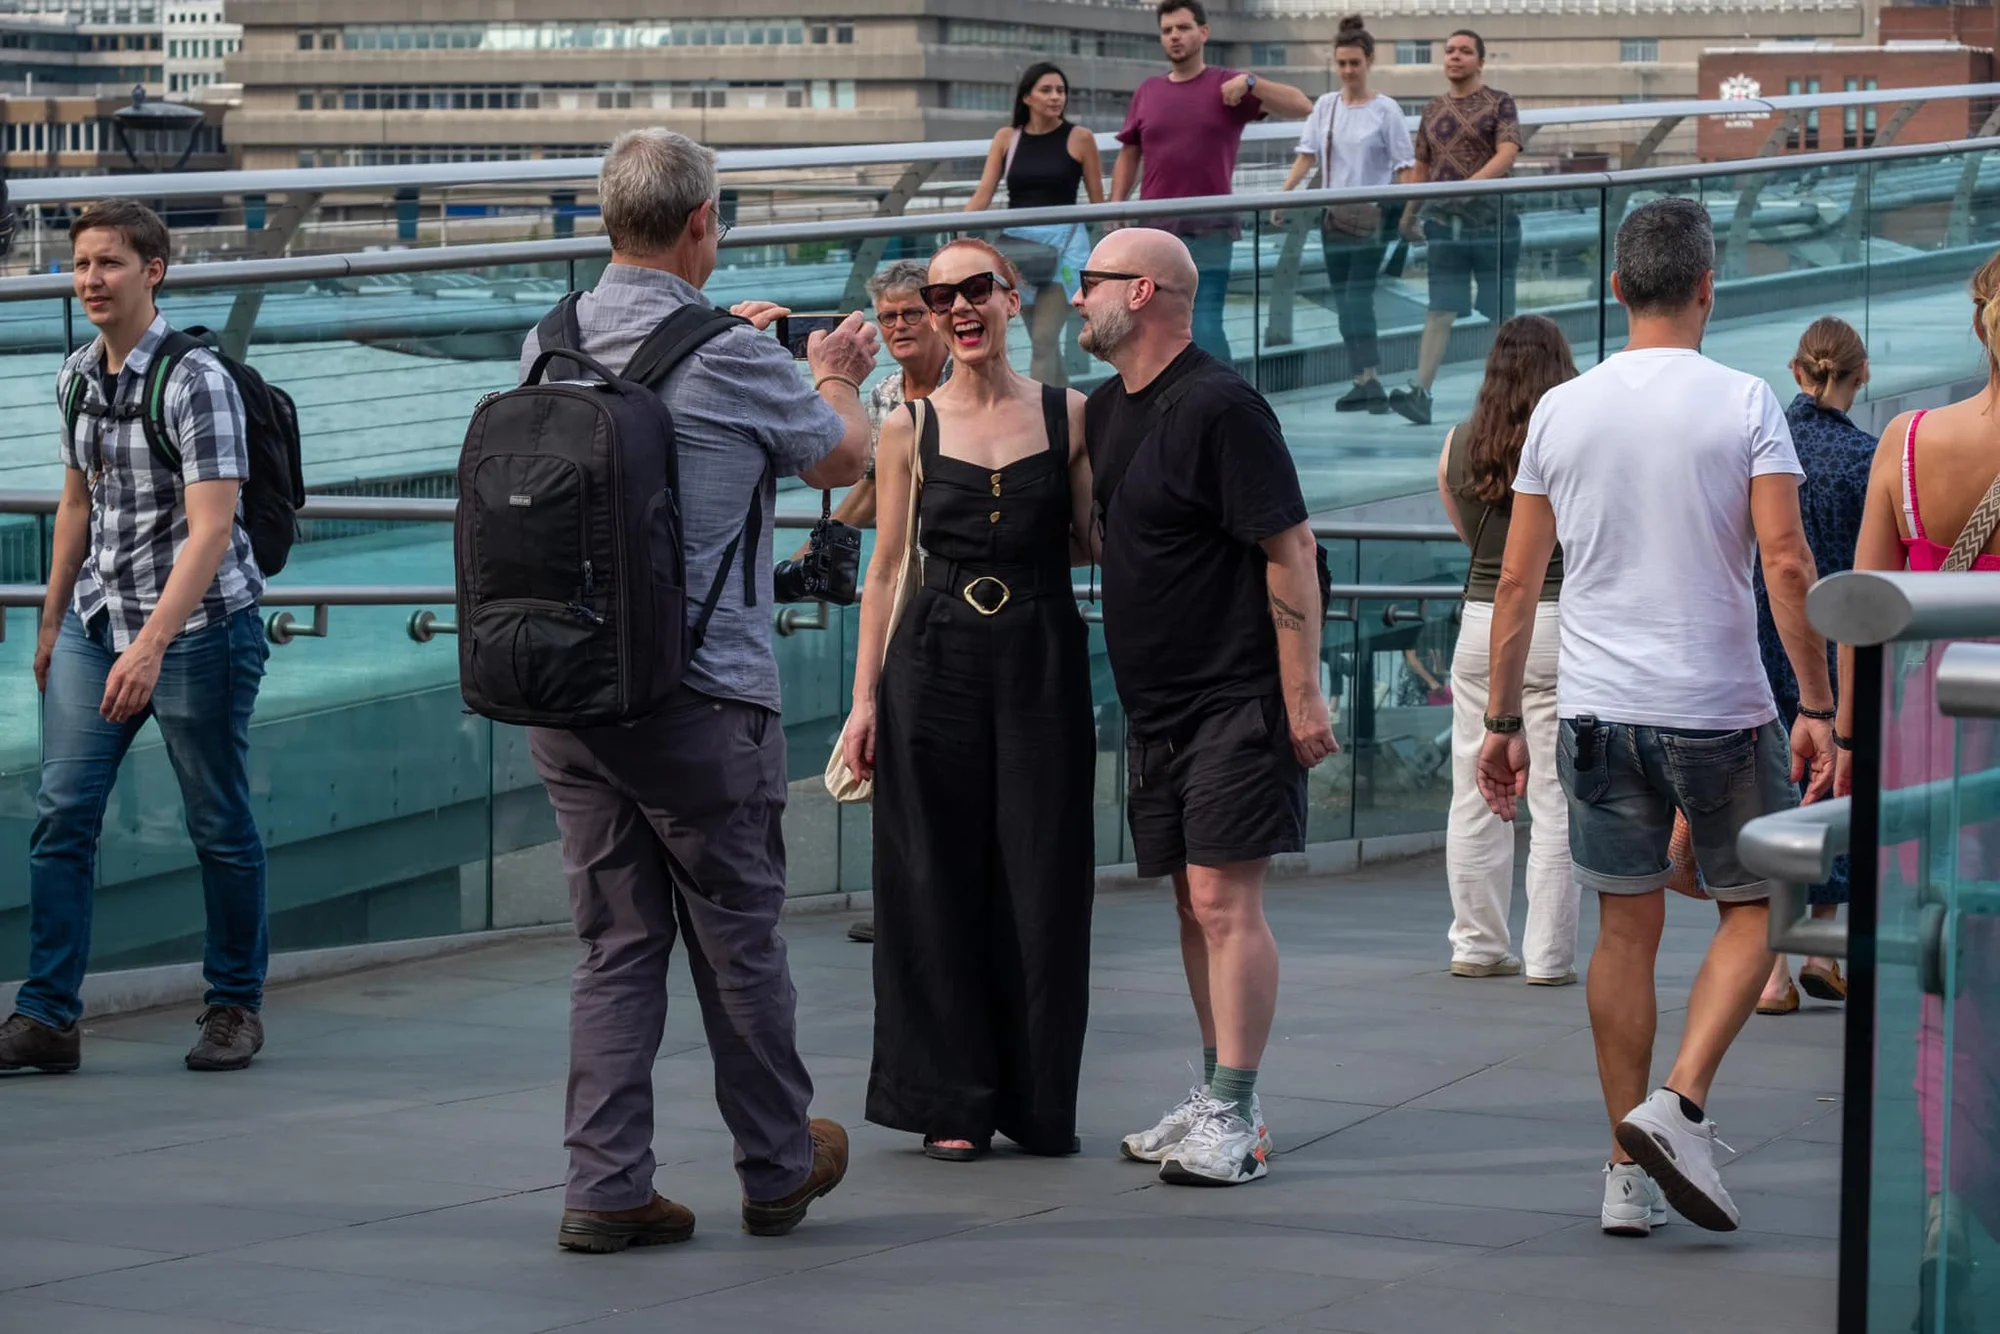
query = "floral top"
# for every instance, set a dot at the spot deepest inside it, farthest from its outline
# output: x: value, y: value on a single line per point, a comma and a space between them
x: 885, y: 398
x: 1836, y: 455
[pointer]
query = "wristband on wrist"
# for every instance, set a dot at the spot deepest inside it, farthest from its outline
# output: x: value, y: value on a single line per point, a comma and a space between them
x: 1842, y: 742
x: 1817, y: 715
x: 1503, y: 723
x: 842, y: 379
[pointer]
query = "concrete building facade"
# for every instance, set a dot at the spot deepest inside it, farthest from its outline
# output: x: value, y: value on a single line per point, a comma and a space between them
x: 340, y: 82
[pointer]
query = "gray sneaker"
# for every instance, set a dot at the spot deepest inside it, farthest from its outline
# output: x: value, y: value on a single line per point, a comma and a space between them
x: 230, y: 1036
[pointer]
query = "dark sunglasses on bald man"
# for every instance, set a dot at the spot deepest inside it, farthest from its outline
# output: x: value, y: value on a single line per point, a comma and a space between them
x: 1090, y: 278
x: 940, y: 296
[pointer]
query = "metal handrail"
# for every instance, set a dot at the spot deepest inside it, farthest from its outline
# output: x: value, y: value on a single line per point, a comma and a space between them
x: 399, y: 509
x: 1868, y: 607
x: 324, y: 180
x: 430, y: 258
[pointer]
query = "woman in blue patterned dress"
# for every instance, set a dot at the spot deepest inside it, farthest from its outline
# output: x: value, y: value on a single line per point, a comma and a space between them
x: 1830, y: 366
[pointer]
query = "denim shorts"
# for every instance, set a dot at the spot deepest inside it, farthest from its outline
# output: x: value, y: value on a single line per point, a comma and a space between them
x: 1624, y: 783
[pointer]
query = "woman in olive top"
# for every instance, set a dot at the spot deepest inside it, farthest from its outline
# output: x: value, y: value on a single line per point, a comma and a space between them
x: 1043, y: 158
x: 1475, y: 480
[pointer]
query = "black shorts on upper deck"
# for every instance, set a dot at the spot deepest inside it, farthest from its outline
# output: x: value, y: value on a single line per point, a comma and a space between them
x: 1232, y: 791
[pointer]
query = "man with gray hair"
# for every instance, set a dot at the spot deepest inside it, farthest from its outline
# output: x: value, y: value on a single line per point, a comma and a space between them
x: 1664, y: 475
x: 674, y: 822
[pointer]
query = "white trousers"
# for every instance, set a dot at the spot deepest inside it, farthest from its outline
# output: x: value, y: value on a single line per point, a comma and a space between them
x: 1479, y: 845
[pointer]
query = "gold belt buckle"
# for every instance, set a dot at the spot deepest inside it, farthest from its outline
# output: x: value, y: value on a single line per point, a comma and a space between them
x: 973, y: 601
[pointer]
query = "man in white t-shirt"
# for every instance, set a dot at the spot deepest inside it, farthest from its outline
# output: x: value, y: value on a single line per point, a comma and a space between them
x: 1663, y: 474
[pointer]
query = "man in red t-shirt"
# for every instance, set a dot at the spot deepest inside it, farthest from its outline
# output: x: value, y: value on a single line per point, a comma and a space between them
x: 1183, y: 131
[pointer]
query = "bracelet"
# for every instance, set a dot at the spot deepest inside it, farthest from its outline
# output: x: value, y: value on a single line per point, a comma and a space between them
x: 851, y: 384
x: 1503, y: 723
x: 1842, y: 742
x: 1818, y: 715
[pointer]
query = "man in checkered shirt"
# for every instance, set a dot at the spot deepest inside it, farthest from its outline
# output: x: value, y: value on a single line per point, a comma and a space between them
x: 151, y: 613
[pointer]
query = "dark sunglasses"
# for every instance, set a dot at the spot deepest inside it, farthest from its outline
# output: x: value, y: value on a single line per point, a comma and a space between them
x: 1090, y: 278
x: 940, y: 296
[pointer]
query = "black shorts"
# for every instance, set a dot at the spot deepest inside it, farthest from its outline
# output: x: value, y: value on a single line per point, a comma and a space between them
x: 1231, y: 792
x: 1461, y: 256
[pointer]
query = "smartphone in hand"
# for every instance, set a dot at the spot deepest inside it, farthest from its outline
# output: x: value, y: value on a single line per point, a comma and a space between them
x: 794, y: 330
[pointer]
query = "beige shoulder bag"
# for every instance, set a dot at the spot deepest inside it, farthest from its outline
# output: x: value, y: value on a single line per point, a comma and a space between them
x: 841, y: 781
x: 1978, y: 531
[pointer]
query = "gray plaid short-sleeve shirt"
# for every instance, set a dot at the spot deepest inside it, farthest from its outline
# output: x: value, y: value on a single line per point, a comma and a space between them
x: 138, y: 523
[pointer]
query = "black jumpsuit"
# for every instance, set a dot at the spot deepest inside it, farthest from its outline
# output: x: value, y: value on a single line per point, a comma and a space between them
x: 983, y: 823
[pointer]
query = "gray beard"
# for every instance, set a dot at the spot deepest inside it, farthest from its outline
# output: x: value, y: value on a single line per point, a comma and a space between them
x: 1103, y: 336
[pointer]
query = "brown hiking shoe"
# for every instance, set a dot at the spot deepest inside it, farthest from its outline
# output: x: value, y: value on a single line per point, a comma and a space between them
x: 230, y: 1036
x: 660, y: 1222
x: 775, y: 1218
x: 31, y: 1044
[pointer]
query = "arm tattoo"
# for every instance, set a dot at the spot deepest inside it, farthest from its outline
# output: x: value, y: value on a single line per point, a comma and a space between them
x: 1285, y: 615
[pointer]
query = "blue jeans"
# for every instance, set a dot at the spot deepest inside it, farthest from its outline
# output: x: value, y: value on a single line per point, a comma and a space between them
x: 207, y: 687
x: 1212, y: 252
x: 1624, y: 784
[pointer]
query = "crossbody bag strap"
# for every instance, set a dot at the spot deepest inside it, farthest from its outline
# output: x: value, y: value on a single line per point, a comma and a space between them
x: 1978, y: 531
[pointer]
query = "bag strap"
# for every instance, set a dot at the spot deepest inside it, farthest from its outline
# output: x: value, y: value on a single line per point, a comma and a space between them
x: 1007, y: 168
x: 561, y: 331
x: 673, y: 339
x: 1978, y: 531
x: 167, y: 357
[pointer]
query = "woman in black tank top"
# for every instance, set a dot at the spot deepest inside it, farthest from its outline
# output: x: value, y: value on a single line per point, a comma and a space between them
x: 974, y: 720
x: 1043, y: 158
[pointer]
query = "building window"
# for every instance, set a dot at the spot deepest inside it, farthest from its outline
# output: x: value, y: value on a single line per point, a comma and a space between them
x: 305, y: 41
x: 843, y: 34
x: 307, y: 101
x: 1806, y: 138
x: 1265, y: 55
x: 1409, y: 52
x: 978, y: 96
x: 1639, y: 51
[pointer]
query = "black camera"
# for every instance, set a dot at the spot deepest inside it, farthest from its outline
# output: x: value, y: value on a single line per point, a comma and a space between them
x: 830, y: 571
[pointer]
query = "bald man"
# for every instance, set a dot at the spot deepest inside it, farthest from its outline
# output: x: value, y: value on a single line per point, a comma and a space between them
x: 1212, y: 618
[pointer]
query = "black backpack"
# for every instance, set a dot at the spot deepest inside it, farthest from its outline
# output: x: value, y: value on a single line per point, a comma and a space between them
x: 572, y: 576
x: 276, y: 486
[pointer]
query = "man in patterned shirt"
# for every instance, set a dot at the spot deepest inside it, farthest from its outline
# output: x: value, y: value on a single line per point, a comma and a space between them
x: 151, y: 612
x: 1472, y: 133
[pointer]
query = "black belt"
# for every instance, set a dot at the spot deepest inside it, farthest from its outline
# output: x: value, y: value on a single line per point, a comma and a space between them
x: 988, y: 588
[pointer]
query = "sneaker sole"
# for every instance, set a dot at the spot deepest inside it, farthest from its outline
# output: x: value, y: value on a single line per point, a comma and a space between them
x: 194, y: 1063
x: 607, y: 1239
x: 1612, y: 1229
x: 1820, y: 988
x: 1682, y: 1194
x: 1174, y: 1174
x: 763, y: 1221
x: 58, y: 1068
x: 1486, y: 969
x: 1132, y: 1155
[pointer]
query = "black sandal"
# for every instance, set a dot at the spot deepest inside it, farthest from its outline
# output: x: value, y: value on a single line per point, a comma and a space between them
x: 934, y: 1148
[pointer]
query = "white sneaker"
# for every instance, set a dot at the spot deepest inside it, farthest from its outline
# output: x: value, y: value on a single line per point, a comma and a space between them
x: 1221, y: 1148
x: 1153, y: 1146
x: 1677, y: 1154
x: 1633, y: 1205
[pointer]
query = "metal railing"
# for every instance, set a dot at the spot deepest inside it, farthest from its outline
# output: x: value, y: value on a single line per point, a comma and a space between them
x: 553, y: 171
x: 1871, y: 610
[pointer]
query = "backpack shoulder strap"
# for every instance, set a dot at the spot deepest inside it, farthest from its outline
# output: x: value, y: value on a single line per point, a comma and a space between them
x: 72, y: 403
x: 167, y: 357
x: 560, y: 328
x: 673, y: 339
x: 1978, y: 531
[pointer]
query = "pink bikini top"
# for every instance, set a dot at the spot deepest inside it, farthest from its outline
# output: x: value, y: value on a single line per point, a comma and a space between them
x: 1918, y: 550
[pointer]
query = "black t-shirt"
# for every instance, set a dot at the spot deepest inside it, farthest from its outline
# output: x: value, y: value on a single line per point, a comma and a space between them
x: 1187, y: 615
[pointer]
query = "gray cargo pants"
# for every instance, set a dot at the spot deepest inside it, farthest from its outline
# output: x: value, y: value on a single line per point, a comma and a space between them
x: 677, y: 817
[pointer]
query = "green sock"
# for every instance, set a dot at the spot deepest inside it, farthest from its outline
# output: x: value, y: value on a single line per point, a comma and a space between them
x: 1208, y: 1065
x: 1232, y: 1085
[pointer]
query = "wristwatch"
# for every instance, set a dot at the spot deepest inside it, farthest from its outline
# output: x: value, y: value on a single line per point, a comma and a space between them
x: 1249, y: 83
x: 1506, y: 722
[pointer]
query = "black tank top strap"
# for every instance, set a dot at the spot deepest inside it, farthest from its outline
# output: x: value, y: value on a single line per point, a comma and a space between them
x: 1055, y: 419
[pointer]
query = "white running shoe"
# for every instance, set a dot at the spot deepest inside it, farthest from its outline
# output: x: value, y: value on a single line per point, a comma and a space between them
x: 1221, y: 1148
x: 1677, y: 1153
x: 1633, y: 1205
x: 1153, y: 1146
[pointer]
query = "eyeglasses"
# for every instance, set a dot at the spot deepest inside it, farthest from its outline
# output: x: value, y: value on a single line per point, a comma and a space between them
x: 889, y: 319
x: 723, y: 226
x: 940, y: 296
x: 1090, y: 278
